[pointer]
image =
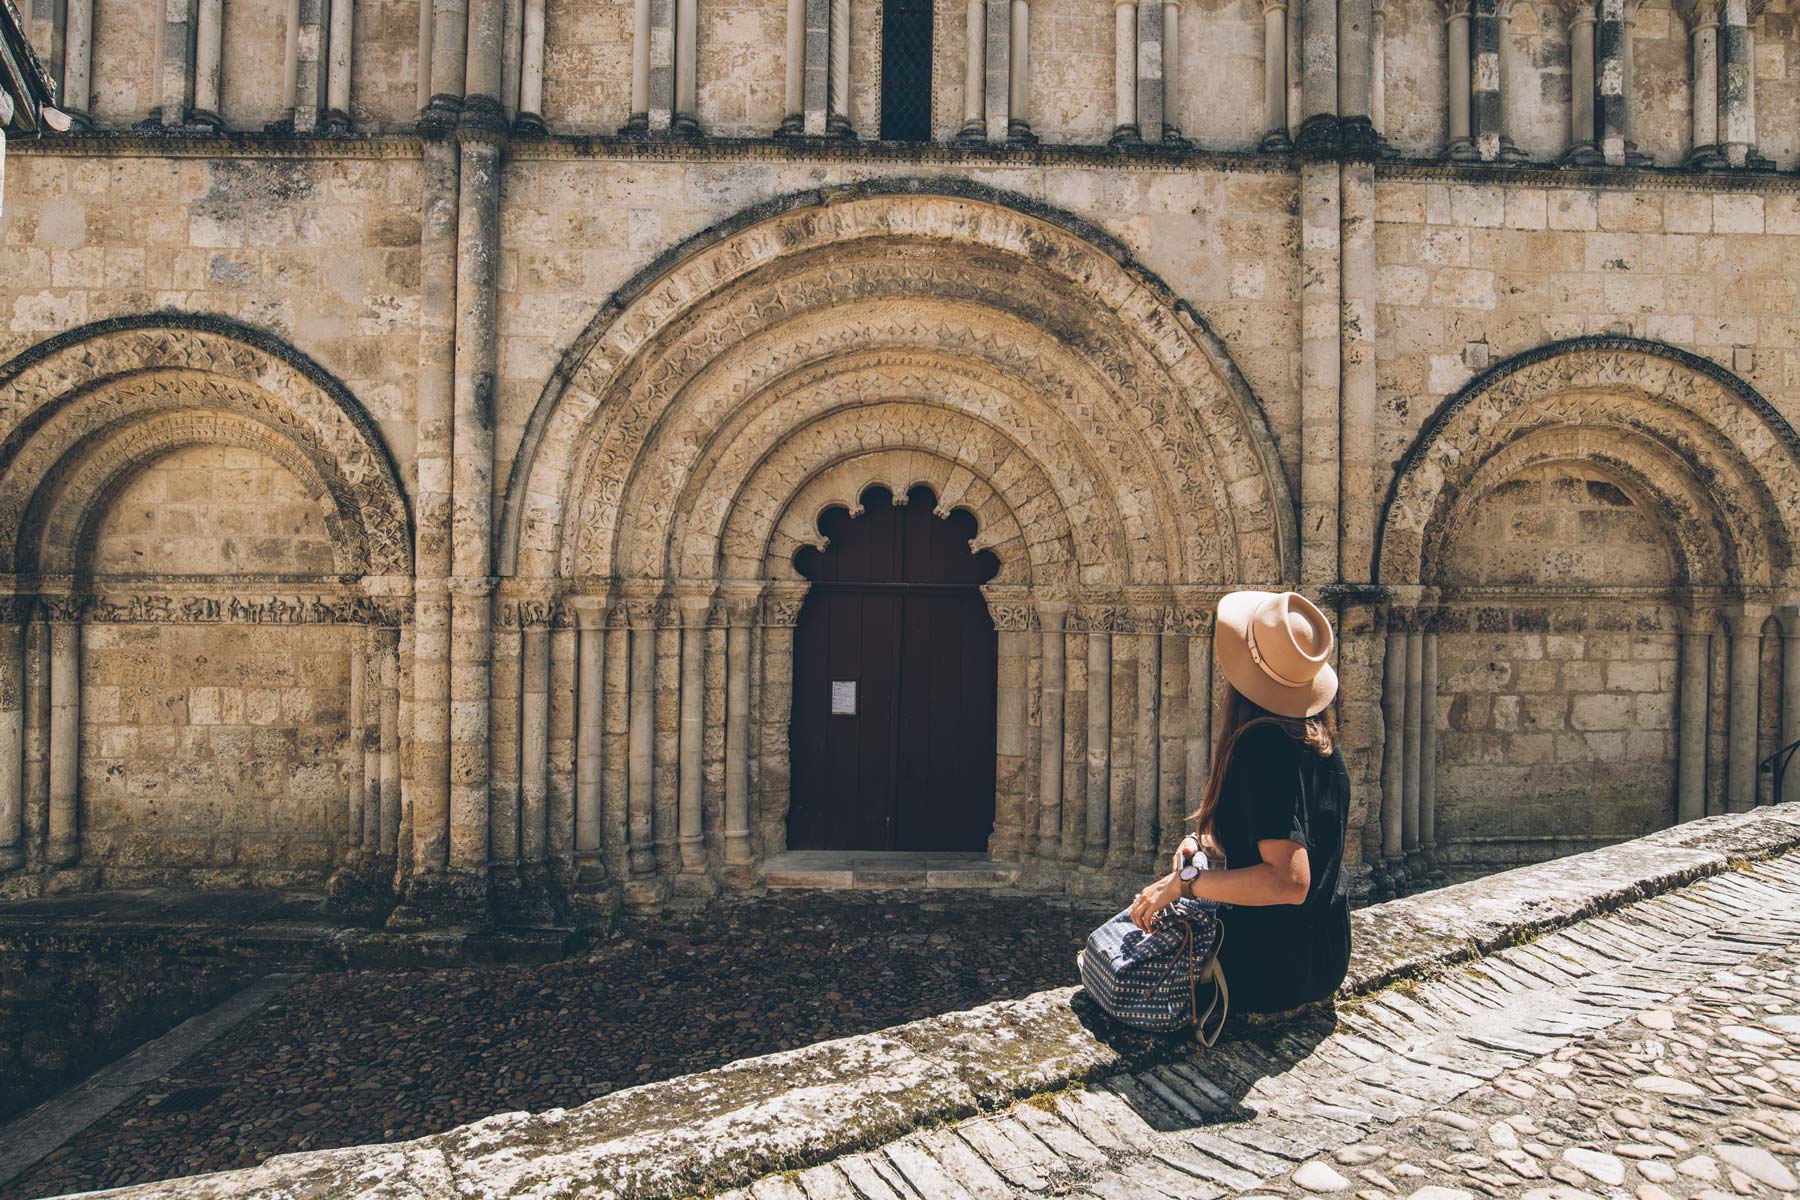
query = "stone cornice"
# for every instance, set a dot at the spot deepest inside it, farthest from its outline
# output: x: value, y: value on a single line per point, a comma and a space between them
x: 1146, y: 157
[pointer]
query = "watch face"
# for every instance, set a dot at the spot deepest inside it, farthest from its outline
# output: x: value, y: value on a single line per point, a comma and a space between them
x: 1190, y: 872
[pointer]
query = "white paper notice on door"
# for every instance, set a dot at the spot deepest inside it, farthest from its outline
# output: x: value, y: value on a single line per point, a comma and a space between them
x: 843, y: 697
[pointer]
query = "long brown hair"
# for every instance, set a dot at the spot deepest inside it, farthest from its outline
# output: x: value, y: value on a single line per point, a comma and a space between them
x: 1318, y: 734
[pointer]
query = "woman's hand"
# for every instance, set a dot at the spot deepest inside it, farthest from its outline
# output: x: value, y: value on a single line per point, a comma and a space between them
x: 1154, y: 899
x: 1190, y: 845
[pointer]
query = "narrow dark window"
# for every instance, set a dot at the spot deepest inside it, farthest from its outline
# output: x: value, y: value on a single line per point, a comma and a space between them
x: 906, y: 71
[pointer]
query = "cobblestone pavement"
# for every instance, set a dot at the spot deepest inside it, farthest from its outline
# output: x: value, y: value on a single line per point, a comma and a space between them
x: 370, y: 1056
x: 1653, y: 1052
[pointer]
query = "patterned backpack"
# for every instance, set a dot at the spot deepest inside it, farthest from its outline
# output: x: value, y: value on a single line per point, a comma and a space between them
x: 1156, y: 981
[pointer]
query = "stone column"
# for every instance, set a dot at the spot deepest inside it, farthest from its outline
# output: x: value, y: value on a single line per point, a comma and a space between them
x: 1354, y: 21
x: 662, y: 52
x: 1691, y: 716
x: 534, y: 737
x: 1358, y: 473
x: 78, y: 61
x: 309, y: 66
x: 694, y: 609
x: 640, y: 613
x: 37, y: 731
x: 1702, y: 17
x: 1390, y: 873
x: 1010, y: 609
x: 369, y: 739
x: 174, y: 81
x: 1409, y: 807
x: 772, y: 705
x: 816, y: 117
x: 1737, y: 118
x: 449, y: 58
x: 1609, y: 81
x: 12, y: 741
x: 357, y: 846
x: 1018, y: 121
x: 530, y: 119
x: 1125, y: 126
x: 559, y: 816
x: 1149, y: 71
x: 1790, y: 701
x: 1319, y: 83
x: 794, y: 75
x: 1171, y: 72
x: 1485, y: 125
x: 1460, y: 144
x: 209, y: 51
x: 686, y: 121
x: 337, y: 91
x: 1320, y: 355
x: 1200, y: 704
x: 974, y: 123
x: 1378, y: 69
x: 837, y: 122
x: 1146, y: 756
x: 1052, y: 677
x: 64, y: 614
x: 1275, y: 82
x: 507, y: 722
x: 1583, y: 147
x: 1746, y: 659
x: 387, y: 657
x: 739, y: 612
x: 1428, y: 733
x: 1628, y: 57
x: 1098, y: 622
x: 998, y: 90
x: 512, y: 57
x: 638, y: 122
x: 590, y: 731
x: 425, y: 33
x: 1122, y: 768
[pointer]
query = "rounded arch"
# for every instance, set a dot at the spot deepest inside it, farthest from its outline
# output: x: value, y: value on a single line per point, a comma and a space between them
x: 91, y: 402
x: 949, y: 295
x: 1722, y: 462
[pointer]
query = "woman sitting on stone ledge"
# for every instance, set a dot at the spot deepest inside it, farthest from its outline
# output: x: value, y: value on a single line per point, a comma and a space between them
x: 1273, y: 811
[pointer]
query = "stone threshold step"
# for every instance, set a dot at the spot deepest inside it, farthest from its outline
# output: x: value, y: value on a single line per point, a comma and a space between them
x: 886, y: 869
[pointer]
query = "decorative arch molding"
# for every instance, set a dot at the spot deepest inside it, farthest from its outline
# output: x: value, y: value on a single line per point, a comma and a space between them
x: 1112, y: 346
x: 1663, y: 408
x: 86, y: 387
x: 1698, y: 530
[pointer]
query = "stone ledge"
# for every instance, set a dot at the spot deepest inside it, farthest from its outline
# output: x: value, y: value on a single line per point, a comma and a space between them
x: 727, y: 1127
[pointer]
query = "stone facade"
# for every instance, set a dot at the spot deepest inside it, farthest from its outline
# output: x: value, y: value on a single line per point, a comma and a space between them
x: 409, y: 422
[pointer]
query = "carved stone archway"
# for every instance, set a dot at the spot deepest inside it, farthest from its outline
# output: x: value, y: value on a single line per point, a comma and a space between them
x: 1007, y: 356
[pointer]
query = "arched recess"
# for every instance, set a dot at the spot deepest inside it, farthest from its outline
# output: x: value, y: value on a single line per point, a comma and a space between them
x: 1008, y: 356
x: 188, y: 717
x: 1561, y: 545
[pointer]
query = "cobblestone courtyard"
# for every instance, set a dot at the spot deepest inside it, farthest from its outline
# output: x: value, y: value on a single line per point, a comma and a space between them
x: 368, y: 1056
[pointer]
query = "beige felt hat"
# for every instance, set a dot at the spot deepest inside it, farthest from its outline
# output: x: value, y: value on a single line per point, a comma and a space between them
x: 1275, y: 648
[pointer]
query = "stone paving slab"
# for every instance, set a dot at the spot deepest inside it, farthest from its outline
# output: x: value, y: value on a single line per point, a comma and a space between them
x: 823, y: 1102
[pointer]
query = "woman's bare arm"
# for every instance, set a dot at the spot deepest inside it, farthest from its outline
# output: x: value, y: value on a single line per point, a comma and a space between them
x: 1282, y: 877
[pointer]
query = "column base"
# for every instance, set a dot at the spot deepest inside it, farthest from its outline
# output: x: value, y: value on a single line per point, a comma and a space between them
x: 1047, y: 850
x: 203, y: 121
x: 647, y: 892
x: 336, y: 121
x: 1510, y: 152
x: 529, y: 897
x: 837, y: 126
x: 1319, y: 137
x: 685, y: 127
x: 440, y: 899
x: 1018, y: 133
x: 1276, y: 141
x: 972, y: 133
x: 636, y: 127
x: 1172, y: 139
x: 63, y: 851
x: 792, y: 126
x: 1124, y: 135
x: 695, y: 885
x: 360, y: 893
x: 11, y: 857
x: 1094, y: 856
x: 1357, y: 139
x: 1461, y: 150
x: 1582, y: 154
x: 440, y: 114
x: 1704, y: 158
x: 529, y: 125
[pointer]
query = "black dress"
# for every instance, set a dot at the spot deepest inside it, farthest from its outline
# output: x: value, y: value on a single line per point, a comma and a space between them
x: 1280, y: 956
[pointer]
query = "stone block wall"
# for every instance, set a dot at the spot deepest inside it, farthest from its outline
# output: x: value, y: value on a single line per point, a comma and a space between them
x: 213, y: 754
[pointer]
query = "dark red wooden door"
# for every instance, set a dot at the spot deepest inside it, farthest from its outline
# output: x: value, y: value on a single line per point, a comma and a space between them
x: 895, y: 675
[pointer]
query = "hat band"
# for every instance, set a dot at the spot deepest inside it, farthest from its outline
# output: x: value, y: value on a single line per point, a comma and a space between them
x: 1257, y: 657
